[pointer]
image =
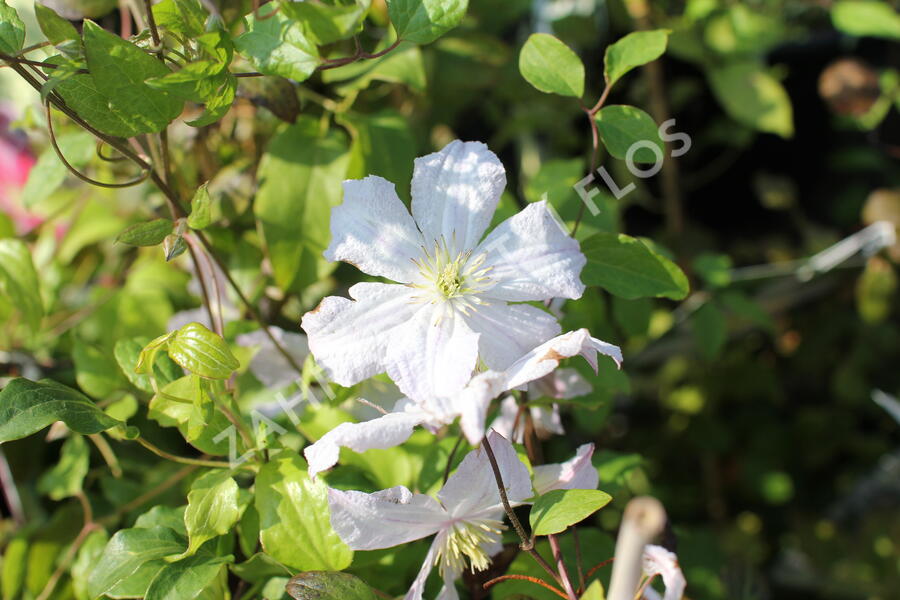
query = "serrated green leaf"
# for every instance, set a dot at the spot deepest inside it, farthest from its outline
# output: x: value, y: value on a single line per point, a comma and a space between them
x: 278, y: 45
x: 12, y: 30
x: 626, y: 267
x: 120, y: 70
x: 633, y: 50
x: 751, y: 96
x: 212, y: 509
x: 187, y: 578
x: 558, y: 509
x: 19, y: 282
x: 56, y: 29
x: 127, y: 551
x: 294, y: 522
x: 551, y: 66
x: 202, y: 352
x: 423, y: 21
x: 27, y: 407
x: 329, y: 585
x: 873, y: 18
x: 296, y: 193
x: 621, y: 127
x: 200, y: 208
x: 64, y: 480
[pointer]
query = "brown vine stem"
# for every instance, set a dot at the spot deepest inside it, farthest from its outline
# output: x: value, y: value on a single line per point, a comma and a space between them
x: 561, y: 566
x: 450, y: 457
x: 535, y: 580
x: 107, y: 453
x: 86, y: 529
x: 527, y: 542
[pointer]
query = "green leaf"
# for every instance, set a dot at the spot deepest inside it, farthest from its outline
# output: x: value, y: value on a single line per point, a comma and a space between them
x: 200, y: 208
x: 594, y: 591
x: 623, y: 126
x: 15, y: 560
x: 626, y: 267
x: 298, y: 176
x: 126, y: 353
x: 202, y: 352
x: 127, y: 551
x: 163, y: 516
x: 95, y: 370
x: 187, y: 578
x: 56, y: 29
x: 873, y: 18
x: 294, y: 517
x: 556, y: 510
x: 551, y: 66
x: 325, y: 585
x: 212, y: 508
x: 260, y: 567
x: 120, y: 70
x: 383, y: 145
x: 710, y: 330
x: 64, y: 480
x: 402, y: 65
x: 12, y: 30
x: 329, y: 23
x: 714, y: 269
x: 753, y: 97
x: 150, y: 233
x: 423, y: 21
x: 49, y: 173
x: 88, y: 555
x: 82, y: 95
x: 633, y: 50
x: 182, y: 404
x: 27, y: 407
x: 218, y: 105
x: 278, y: 45
x: 19, y: 281
x: 186, y: 17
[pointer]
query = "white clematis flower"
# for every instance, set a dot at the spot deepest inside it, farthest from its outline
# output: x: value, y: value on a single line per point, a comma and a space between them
x: 451, y: 305
x: 470, y: 404
x: 268, y: 364
x: 659, y: 561
x: 467, y: 516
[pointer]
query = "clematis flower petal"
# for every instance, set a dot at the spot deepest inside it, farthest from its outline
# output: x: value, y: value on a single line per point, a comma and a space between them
x: 386, y: 431
x: 455, y: 192
x: 659, y: 561
x: 373, y: 231
x: 383, y: 519
x: 432, y: 355
x: 472, y: 490
x: 349, y: 338
x: 545, y: 358
x: 562, y: 384
x: 532, y: 257
x: 577, y: 473
x: 418, y: 585
x: 268, y: 365
x: 508, y: 331
x: 473, y: 402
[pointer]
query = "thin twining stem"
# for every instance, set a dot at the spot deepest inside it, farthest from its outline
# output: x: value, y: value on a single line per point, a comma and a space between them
x: 182, y: 459
x: 540, y: 582
x: 561, y: 566
x: 527, y: 543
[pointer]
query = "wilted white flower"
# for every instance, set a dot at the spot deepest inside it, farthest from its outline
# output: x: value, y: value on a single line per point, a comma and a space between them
x: 452, y: 304
x: 659, y: 561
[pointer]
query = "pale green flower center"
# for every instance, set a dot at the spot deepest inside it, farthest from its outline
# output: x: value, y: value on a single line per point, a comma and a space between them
x: 466, y: 540
x: 450, y: 276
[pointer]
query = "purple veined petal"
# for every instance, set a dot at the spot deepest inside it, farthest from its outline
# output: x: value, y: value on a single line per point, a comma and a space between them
x: 532, y: 257
x: 432, y: 355
x: 373, y: 231
x: 561, y: 384
x: 577, y: 473
x: 472, y: 490
x: 455, y: 192
x: 508, y: 331
x: 349, y: 338
x: 383, y: 519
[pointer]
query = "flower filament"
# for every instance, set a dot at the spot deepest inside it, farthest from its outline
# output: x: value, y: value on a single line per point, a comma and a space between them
x: 467, y: 539
x: 452, y: 277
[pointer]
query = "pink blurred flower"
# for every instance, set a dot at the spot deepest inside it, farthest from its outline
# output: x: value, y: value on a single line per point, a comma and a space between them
x: 16, y: 162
